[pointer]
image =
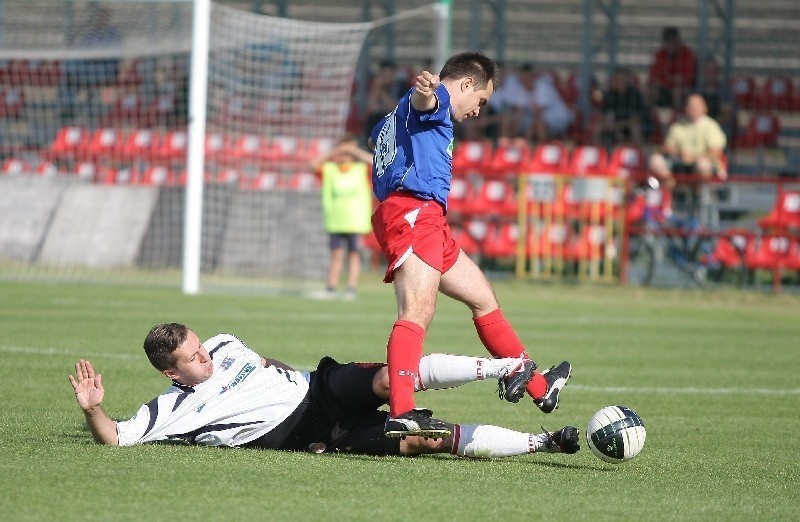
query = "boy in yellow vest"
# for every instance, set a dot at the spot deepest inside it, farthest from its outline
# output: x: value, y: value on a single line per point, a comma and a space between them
x: 346, y: 208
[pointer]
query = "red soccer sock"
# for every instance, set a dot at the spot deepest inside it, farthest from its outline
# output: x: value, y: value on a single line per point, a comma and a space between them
x: 500, y: 339
x: 403, y: 353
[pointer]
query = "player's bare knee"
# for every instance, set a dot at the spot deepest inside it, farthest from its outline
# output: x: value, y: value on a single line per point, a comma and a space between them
x: 380, y: 383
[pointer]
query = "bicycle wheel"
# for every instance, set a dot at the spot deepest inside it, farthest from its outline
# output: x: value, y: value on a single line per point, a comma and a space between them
x: 641, y: 261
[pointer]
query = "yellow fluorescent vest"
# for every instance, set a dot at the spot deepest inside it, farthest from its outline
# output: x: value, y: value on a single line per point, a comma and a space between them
x: 346, y: 198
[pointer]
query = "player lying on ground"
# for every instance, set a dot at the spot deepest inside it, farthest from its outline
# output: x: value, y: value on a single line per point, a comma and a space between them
x: 225, y: 394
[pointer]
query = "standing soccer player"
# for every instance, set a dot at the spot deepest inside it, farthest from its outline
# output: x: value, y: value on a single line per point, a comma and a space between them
x: 413, y: 147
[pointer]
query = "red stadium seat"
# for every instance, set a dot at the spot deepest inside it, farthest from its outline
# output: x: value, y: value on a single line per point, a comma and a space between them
x: 316, y: 147
x: 762, y: 130
x: 104, y: 143
x: 70, y: 143
x: 139, y: 145
x: 217, y: 147
x: 249, y: 148
x: 509, y: 159
x: 172, y: 147
x: 627, y: 163
x: 87, y: 170
x: 554, y: 241
x: 495, y: 198
x: 471, y: 157
x: 263, y: 181
x: 591, y: 243
x: 158, y: 175
x: 283, y: 149
x: 464, y: 240
x: 501, y: 240
x: 129, y: 109
x: 550, y: 158
x: 461, y: 198
x: 769, y: 252
x: 743, y: 88
x: 778, y: 93
x: 785, y: 213
x: 589, y: 160
x: 304, y: 182
x: 729, y: 249
x: 12, y: 102
x: 16, y: 167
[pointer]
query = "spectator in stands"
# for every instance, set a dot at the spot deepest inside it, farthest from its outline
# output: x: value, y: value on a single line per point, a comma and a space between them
x: 625, y: 112
x: 90, y: 75
x: 507, y: 105
x: 346, y: 208
x: 672, y: 71
x: 384, y: 90
x: 717, y: 95
x: 694, y: 145
x: 547, y: 115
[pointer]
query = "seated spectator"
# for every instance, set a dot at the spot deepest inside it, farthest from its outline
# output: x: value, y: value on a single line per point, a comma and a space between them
x: 384, y: 90
x: 672, y: 71
x: 507, y: 105
x: 694, y: 145
x: 625, y: 112
x: 547, y: 115
x: 98, y: 32
x: 717, y: 95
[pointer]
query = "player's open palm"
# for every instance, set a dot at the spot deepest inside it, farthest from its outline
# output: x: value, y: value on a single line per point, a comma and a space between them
x: 88, y: 386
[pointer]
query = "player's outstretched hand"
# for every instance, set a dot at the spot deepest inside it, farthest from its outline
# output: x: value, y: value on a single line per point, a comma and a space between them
x: 87, y: 385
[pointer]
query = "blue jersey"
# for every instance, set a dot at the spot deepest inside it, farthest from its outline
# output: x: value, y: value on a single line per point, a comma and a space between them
x: 414, y: 150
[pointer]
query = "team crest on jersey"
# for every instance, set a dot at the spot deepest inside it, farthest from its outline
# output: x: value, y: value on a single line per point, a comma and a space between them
x: 226, y: 363
x: 385, y: 147
x: 450, y: 149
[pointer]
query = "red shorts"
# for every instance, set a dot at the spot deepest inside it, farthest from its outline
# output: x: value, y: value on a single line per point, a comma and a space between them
x: 404, y: 224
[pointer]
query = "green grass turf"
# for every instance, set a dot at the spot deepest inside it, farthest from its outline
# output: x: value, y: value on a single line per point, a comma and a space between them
x: 714, y: 376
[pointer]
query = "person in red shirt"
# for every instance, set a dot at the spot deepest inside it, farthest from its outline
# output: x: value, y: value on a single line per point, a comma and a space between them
x: 672, y: 72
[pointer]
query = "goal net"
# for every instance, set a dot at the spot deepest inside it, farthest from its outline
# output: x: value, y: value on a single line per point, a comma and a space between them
x: 93, y: 132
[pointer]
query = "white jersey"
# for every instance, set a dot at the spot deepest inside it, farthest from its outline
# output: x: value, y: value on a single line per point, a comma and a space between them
x: 240, y: 402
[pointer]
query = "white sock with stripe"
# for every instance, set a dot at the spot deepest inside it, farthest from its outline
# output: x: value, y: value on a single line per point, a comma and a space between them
x: 438, y: 371
x: 486, y: 441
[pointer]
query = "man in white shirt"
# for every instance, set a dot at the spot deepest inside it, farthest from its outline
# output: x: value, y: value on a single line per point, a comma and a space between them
x: 225, y: 394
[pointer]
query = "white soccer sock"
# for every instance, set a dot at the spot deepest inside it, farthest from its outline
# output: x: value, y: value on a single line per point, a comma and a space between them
x: 437, y: 371
x: 485, y: 441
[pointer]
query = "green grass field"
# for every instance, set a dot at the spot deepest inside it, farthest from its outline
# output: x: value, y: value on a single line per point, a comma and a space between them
x: 714, y: 376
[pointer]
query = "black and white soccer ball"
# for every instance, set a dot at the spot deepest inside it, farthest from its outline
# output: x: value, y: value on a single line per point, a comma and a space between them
x: 616, y: 434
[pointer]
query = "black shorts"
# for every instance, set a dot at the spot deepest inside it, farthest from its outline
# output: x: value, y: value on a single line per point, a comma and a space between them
x: 340, y: 410
x: 676, y: 166
x: 341, y: 239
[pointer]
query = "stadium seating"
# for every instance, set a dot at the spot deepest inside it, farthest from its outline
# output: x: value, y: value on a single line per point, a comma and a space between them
x: 103, y: 143
x: 627, y: 163
x: 743, y: 88
x: 495, y: 198
x: 769, y: 252
x: 762, y: 130
x: 158, y: 175
x: 461, y: 198
x: 777, y: 94
x: 589, y: 160
x: 467, y: 243
x: 785, y: 213
x: 262, y: 181
x: 15, y: 167
x: 553, y: 241
x: 471, y: 157
x: 500, y: 241
x: 70, y: 143
x: 139, y: 144
x: 729, y: 249
x: 509, y: 159
x: 172, y: 147
x: 551, y: 158
x: 12, y: 102
x: 590, y: 244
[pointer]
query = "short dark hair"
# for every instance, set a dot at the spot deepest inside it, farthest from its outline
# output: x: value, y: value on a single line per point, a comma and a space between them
x: 670, y: 34
x: 162, y: 341
x: 470, y: 63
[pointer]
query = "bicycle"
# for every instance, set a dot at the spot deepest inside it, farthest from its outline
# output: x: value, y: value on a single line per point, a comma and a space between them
x: 657, y: 234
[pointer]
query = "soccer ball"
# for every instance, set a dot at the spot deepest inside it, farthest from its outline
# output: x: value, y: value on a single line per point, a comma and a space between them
x: 615, y: 434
